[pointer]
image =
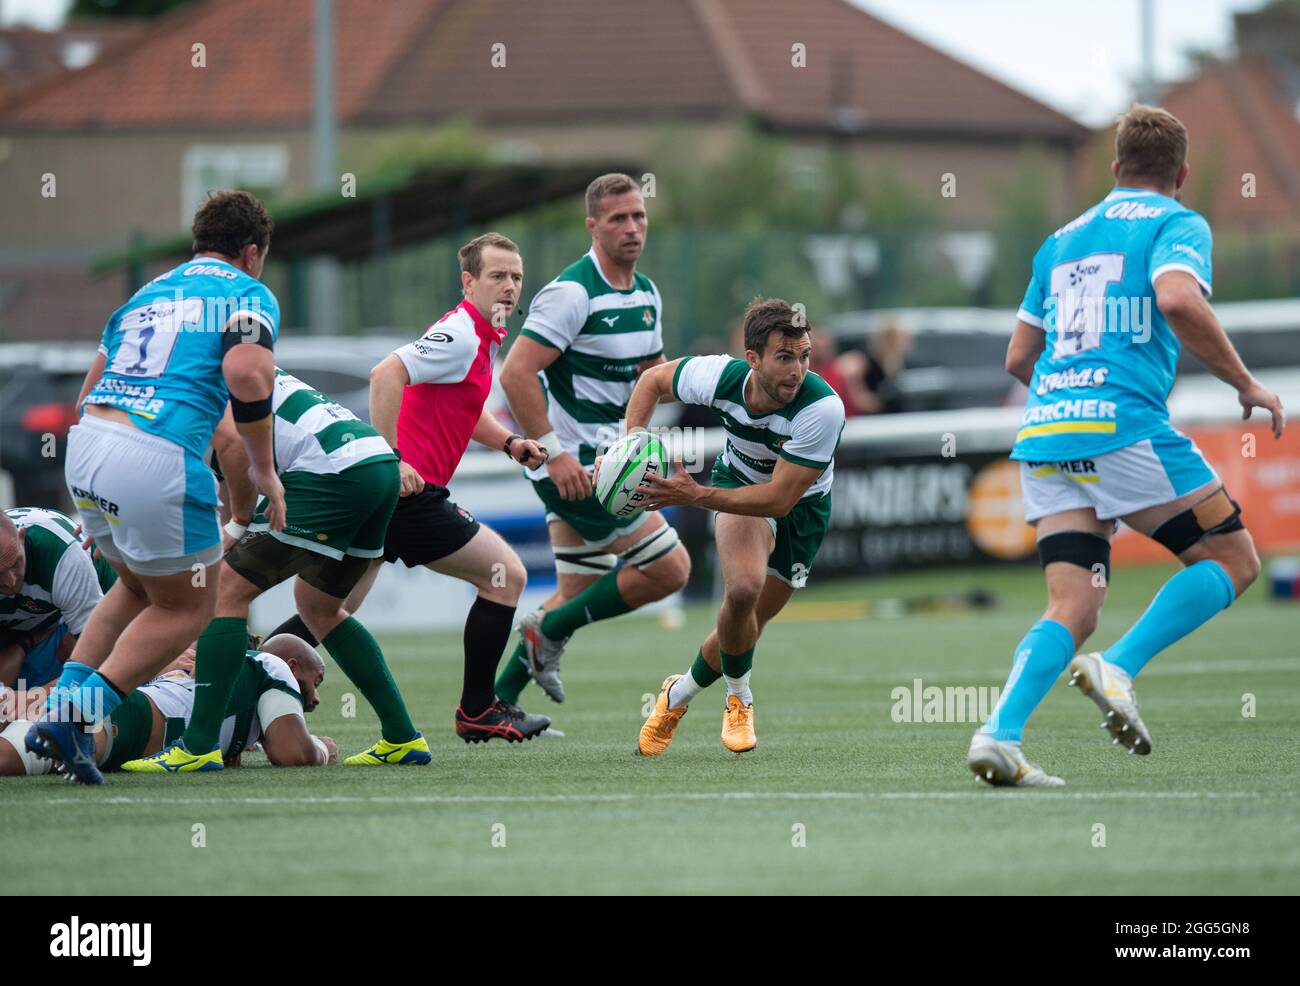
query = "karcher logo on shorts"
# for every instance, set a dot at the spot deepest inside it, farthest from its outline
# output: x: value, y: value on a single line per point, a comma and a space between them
x: 75, y: 940
x: 105, y: 506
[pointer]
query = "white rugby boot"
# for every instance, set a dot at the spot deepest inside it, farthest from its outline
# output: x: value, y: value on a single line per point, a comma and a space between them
x: 1112, y: 689
x: 1003, y: 765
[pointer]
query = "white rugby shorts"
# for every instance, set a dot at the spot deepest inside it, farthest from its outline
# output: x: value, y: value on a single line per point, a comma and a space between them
x: 147, y: 502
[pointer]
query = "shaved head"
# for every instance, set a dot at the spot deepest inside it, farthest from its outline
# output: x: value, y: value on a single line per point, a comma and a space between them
x: 286, y: 646
x: 13, y: 556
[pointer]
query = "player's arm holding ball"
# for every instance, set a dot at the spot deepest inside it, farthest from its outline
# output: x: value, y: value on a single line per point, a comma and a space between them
x: 790, y: 481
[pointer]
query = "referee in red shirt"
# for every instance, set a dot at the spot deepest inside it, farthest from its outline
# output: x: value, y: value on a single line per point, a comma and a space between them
x: 427, y: 401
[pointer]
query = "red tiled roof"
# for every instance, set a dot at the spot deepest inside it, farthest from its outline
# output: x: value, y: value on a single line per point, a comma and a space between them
x: 29, y: 57
x: 1239, y: 122
x: 423, y: 60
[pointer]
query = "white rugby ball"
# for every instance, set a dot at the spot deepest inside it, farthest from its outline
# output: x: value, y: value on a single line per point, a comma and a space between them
x: 623, y: 469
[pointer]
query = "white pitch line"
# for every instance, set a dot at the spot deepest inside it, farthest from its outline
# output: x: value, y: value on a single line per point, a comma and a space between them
x: 472, y: 799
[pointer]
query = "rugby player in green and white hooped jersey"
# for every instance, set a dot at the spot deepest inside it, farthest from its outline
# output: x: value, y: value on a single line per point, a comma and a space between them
x: 340, y: 485
x: 276, y: 686
x: 771, y: 489
x: 591, y: 332
x: 48, y: 588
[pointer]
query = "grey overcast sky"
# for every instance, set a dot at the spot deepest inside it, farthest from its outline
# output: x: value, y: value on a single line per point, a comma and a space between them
x: 1081, y: 58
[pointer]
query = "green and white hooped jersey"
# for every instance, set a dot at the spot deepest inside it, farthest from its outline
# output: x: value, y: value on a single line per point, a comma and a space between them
x: 265, y: 690
x: 62, y: 583
x: 316, y: 435
x: 603, y: 334
x: 806, y: 431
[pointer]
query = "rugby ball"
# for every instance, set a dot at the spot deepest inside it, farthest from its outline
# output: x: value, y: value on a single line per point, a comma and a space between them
x: 623, y: 469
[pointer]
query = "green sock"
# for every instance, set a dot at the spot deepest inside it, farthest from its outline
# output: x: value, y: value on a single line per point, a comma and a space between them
x: 218, y: 659
x: 736, y: 665
x: 599, y: 601
x: 358, y: 654
x: 703, y: 674
x: 513, y: 677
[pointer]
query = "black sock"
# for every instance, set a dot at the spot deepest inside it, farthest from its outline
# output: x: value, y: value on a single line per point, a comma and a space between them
x: 487, y: 631
x: 297, y: 627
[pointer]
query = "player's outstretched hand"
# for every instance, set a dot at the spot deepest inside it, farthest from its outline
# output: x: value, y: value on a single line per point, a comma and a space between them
x: 412, y: 481
x: 675, y: 489
x: 270, y: 487
x: 573, y: 481
x: 332, y: 749
x: 1257, y: 395
x: 528, y: 453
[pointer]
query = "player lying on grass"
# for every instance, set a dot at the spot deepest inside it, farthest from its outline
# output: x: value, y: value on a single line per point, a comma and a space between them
x: 48, y: 589
x: 1096, y: 443
x: 275, y: 687
x: 186, y: 345
x: 427, y: 399
x: 771, y: 490
x: 340, y: 486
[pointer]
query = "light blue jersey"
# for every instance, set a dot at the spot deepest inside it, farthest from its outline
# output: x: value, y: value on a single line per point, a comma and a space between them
x: 1103, y: 380
x: 164, y: 349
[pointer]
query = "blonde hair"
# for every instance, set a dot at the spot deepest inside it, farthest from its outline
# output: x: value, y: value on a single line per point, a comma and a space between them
x: 1151, y: 144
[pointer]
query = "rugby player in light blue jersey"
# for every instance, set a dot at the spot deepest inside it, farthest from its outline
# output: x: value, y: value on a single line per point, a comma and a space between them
x: 1113, y: 297
x: 188, y: 343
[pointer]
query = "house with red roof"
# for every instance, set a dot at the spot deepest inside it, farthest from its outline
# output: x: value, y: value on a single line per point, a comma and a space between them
x: 219, y: 93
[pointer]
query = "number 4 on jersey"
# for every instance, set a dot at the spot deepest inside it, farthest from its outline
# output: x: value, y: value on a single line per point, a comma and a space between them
x: 1079, y: 289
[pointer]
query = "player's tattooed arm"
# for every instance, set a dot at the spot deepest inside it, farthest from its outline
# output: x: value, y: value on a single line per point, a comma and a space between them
x: 1027, y: 343
x: 1185, y: 308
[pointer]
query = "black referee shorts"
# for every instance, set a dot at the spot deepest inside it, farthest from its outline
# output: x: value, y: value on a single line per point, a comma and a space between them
x: 427, y: 526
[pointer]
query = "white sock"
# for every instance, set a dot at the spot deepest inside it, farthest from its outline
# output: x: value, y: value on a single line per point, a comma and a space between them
x: 683, y: 690
x: 740, y: 686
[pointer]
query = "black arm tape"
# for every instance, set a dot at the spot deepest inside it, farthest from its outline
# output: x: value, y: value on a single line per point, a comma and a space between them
x: 1076, y: 547
x: 1218, y: 513
x: 245, y: 411
x: 244, y: 329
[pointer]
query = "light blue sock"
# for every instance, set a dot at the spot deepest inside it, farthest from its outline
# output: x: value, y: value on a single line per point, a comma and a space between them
x: 1183, y: 603
x: 1040, y: 659
x: 70, y: 679
x: 95, y: 699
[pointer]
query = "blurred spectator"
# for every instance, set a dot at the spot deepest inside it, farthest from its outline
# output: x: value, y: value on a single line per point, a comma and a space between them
x: 871, y: 377
x: 825, y: 362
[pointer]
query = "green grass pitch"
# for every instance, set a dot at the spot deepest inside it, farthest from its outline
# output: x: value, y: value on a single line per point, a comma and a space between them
x: 879, y: 806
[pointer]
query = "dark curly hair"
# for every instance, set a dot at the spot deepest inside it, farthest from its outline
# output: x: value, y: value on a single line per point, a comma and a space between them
x: 229, y: 221
x: 767, y: 315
